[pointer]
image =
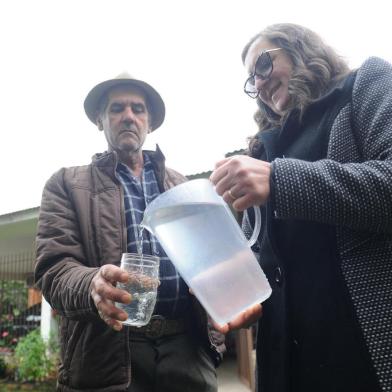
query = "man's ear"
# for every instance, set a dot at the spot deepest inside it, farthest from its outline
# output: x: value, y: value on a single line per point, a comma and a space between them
x: 99, y: 123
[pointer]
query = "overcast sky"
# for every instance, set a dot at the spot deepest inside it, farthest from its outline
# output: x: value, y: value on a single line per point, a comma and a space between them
x: 53, y: 52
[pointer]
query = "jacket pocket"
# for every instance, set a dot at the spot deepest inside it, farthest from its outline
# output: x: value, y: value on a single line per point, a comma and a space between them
x: 95, y: 356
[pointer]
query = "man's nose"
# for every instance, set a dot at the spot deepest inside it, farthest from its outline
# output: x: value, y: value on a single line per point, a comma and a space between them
x: 128, y: 114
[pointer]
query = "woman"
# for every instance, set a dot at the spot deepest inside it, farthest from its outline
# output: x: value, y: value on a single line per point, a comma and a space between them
x: 320, y: 168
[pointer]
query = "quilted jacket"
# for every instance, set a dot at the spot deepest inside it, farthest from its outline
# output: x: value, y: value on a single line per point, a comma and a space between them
x: 81, y: 227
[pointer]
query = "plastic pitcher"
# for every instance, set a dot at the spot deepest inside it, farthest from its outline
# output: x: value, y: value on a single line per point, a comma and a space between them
x: 199, y: 233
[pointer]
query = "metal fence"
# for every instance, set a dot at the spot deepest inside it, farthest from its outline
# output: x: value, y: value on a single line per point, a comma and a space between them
x: 20, y: 308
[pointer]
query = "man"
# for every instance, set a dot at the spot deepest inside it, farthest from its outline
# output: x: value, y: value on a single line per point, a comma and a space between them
x: 89, y: 216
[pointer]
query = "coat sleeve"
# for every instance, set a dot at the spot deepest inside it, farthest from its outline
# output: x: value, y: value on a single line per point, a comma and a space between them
x: 354, y: 195
x: 61, y: 271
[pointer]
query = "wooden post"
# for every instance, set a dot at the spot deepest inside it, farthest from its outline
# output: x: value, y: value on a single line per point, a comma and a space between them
x: 34, y: 296
x: 245, y: 357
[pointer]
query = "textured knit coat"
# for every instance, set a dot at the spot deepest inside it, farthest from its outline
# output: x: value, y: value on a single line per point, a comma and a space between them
x: 331, y: 192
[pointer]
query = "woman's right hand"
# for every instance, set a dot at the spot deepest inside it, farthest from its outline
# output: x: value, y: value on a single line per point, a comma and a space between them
x: 242, y: 181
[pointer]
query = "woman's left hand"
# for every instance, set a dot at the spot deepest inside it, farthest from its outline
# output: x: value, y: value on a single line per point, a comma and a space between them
x: 243, y: 320
x: 242, y: 181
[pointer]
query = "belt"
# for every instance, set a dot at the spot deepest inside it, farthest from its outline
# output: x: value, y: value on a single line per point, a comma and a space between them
x: 159, y: 327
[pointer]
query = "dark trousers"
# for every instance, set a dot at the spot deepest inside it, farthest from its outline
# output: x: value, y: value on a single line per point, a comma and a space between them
x: 170, y: 364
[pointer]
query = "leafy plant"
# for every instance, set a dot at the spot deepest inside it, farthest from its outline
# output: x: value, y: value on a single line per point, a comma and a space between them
x: 3, y: 368
x: 53, y: 347
x: 33, y: 361
x: 7, y: 339
x: 13, y: 295
x: 13, y: 298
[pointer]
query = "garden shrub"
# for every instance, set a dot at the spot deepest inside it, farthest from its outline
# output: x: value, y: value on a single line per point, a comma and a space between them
x: 3, y: 368
x: 32, y: 359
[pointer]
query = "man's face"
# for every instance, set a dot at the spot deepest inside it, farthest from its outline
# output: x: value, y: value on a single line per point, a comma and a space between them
x: 125, y: 120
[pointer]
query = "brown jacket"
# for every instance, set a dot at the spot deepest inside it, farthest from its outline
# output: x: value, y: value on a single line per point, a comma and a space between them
x: 81, y: 227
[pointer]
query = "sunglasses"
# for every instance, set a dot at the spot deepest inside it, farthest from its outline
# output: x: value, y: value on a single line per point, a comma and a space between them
x: 263, y: 70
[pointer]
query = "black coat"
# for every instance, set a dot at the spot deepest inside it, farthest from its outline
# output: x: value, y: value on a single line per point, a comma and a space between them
x: 326, y: 247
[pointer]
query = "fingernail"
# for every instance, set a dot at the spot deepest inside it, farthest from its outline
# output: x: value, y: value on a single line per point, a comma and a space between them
x: 126, y: 298
x: 123, y: 316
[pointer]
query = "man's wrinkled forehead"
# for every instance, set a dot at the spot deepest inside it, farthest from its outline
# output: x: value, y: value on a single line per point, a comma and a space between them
x: 126, y: 91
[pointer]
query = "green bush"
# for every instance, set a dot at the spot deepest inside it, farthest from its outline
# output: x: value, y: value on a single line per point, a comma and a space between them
x: 13, y: 299
x: 32, y: 359
x: 3, y: 368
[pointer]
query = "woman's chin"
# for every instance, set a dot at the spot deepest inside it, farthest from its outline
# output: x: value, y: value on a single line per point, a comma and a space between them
x: 280, y: 105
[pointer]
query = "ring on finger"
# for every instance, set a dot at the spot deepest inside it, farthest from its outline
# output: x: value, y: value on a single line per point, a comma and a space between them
x: 231, y: 195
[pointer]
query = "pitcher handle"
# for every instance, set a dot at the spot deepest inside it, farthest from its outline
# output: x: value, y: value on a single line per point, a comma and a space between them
x: 257, y: 227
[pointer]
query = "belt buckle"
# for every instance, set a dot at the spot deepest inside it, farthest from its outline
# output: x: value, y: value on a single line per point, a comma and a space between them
x: 155, y: 327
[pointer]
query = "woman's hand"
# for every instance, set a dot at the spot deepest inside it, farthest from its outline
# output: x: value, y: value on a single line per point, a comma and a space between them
x: 242, y: 181
x: 105, y: 294
x: 243, y: 320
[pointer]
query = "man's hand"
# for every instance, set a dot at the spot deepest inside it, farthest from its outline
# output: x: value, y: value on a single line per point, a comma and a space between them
x: 104, y: 293
x: 243, y: 320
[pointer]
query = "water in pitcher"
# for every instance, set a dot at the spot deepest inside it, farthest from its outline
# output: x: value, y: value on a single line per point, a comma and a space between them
x: 212, y: 256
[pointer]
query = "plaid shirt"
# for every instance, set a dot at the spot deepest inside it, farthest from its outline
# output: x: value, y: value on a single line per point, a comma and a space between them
x: 173, y: 294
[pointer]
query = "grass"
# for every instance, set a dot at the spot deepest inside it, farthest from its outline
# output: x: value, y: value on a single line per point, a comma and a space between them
x: 48, y: 386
